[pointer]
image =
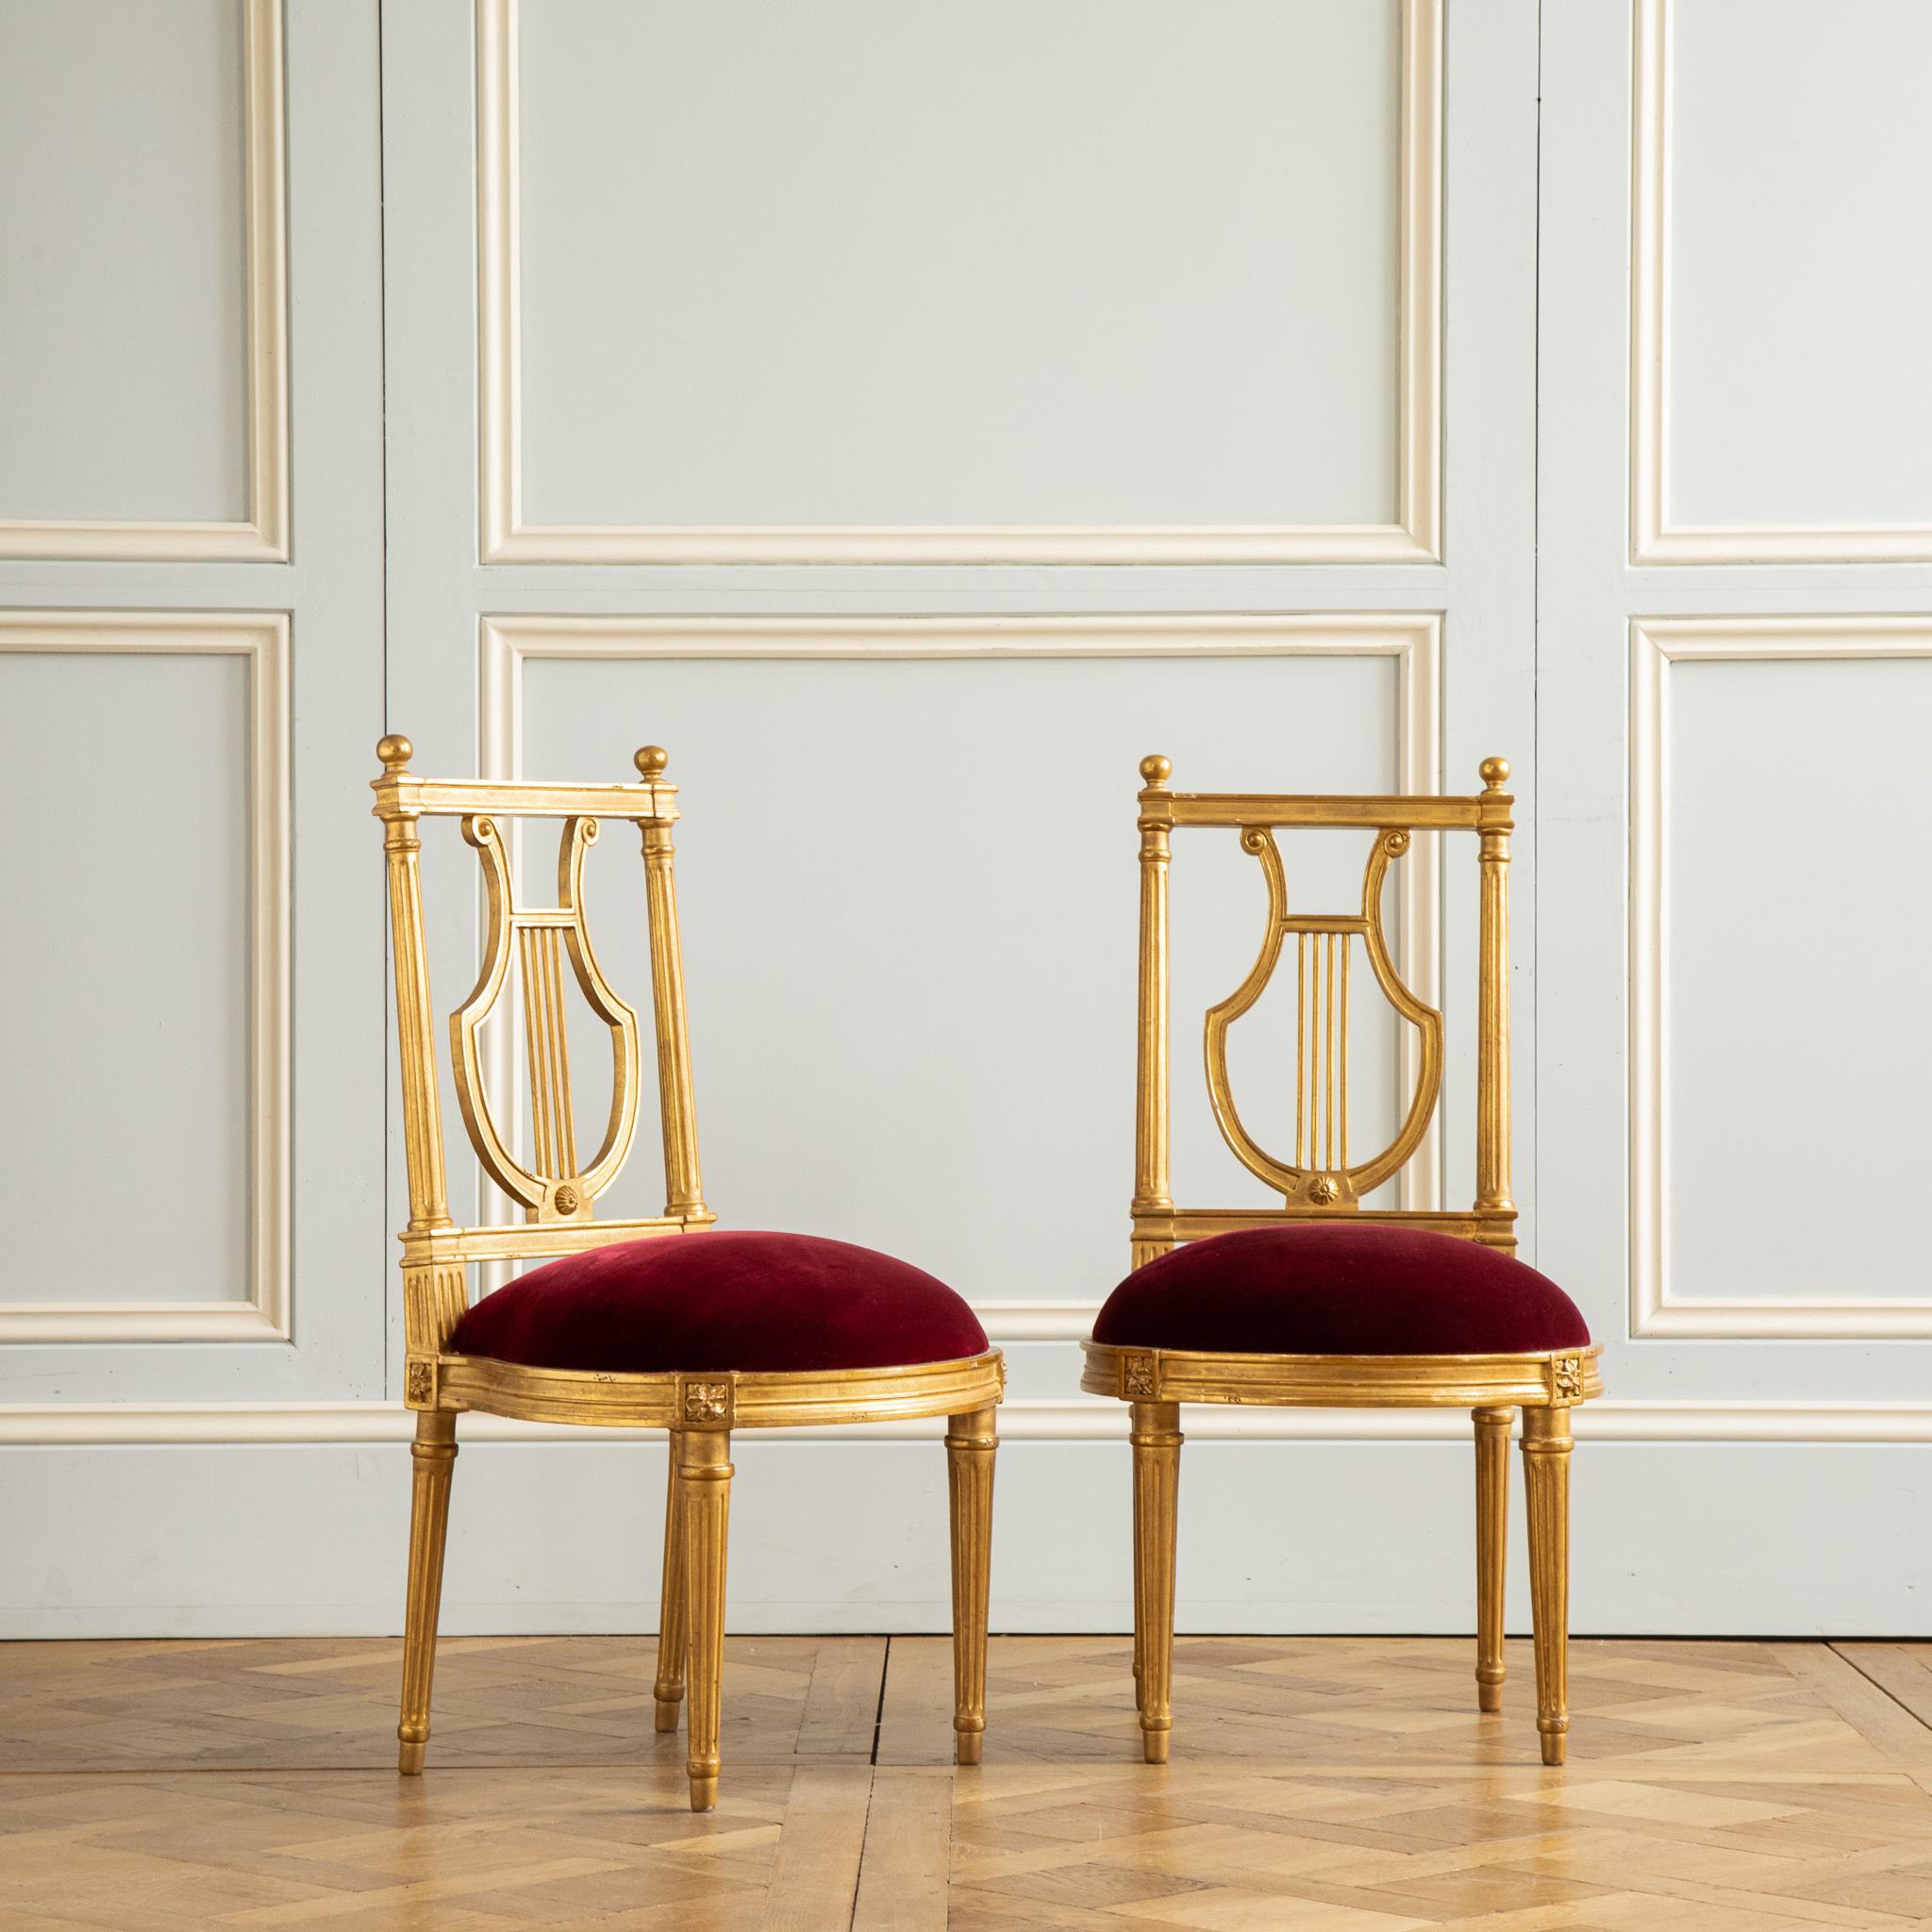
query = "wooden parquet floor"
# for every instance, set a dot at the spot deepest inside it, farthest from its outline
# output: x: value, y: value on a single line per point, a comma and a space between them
x: 1318, y: 1785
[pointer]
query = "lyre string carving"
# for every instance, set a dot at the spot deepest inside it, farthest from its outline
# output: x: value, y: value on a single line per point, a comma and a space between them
x: 556, y: 1186
x: 1321, y: 1173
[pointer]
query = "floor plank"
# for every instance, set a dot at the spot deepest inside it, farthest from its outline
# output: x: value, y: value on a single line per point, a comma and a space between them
x: 915, y: 1718
x: 842, y: 1700
x: 903, y: 1881
x: 820, y: 1846
x: 1902, y: 1670
x: 1340, y: 1785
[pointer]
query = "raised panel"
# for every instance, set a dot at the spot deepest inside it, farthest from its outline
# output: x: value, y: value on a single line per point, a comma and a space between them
x: 1781, y: 1041
x: 954, y: 1083
x: 143, y: 1148
x: 141, y: 411
x: 880, y: 292
x: 1783, y: 400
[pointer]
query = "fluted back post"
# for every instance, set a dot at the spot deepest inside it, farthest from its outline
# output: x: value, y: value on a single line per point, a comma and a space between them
x: 1152, y: 1186
x: 415, y: 1025
x: 1492, y: 995
x: 683, y: 1190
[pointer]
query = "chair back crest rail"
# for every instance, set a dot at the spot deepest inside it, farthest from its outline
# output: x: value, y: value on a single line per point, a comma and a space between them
x: 545, y: 948
x: 1319, y: 1179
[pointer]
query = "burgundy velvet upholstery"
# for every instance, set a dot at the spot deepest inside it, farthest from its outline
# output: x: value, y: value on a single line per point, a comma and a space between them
x: 721, y: 1300
x: 1332, y: 1288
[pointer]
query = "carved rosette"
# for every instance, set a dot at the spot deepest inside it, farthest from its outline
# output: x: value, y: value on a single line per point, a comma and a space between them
x: 1139, y: 1378
x: 1566, y: 1377
x: 419, y: 1384
x: 705, y: 1403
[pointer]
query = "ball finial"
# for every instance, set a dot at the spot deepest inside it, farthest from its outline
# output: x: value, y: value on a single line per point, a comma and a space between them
x: 396, y: 751
x: 1155, y: 769
x: 651, y: 761
x: 1496, y: 772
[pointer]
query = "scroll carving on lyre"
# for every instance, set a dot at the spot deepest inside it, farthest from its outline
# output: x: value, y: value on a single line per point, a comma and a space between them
x: 1321, y: 1173
x: 556, y: 1186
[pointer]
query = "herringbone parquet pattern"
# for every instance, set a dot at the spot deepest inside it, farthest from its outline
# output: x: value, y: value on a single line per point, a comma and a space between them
x: 1329, y: 1785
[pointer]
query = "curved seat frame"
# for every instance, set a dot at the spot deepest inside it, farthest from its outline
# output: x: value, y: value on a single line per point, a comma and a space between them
x: 556, y: 1193
x: 1320, y: 1184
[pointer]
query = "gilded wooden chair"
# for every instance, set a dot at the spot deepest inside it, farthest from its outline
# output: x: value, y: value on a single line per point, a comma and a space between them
x: 658, y: 1322
x: 1322, y: 1301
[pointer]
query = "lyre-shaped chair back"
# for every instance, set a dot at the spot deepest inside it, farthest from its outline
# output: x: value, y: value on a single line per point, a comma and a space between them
x: 542, y: 949
x: 1319, y: 1177
x: 540, y: 940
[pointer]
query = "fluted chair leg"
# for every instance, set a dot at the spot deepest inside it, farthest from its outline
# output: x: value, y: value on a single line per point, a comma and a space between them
x: 704, y: 1486
x: 1546, y: 1480
x: 672, y: 1622
x: 1491, y: 1550
x: 1157, y: 1440
x: 1140, y: 1615
x: 433, y: 1458
x: 971, y: 1443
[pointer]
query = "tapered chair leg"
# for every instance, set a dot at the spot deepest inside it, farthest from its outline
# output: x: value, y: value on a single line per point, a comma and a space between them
x: 1492, y: 1549
x: 672, y: 1622
x: 1157, y: 1440
x: 971, y: 1442
x: 704, y: 1507
x: 1140, y: 1619
x: 433, y: 1458
x: 1546, y: 1480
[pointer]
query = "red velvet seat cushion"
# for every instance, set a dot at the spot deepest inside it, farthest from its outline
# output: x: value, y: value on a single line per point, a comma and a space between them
x: 721, y: 1300
x: 1330, y: 1288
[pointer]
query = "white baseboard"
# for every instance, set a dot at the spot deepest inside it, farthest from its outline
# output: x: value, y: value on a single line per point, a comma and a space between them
x: 1737, y: 1537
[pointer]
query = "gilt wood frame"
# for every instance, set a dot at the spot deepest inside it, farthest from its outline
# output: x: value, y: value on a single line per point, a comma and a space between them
x: 1544, y: 1384
x: 559, y: 1208
x: 557, y: 1194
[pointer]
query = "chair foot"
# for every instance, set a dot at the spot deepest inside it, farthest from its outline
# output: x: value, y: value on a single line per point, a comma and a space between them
x: 668, y: 1709
x: 1154, y: 1745
x: 1554, y: 1742
x: 704, y: 1791
x: 966, y: 1746
x: 409, y: 1755
x: 1488, y: 1692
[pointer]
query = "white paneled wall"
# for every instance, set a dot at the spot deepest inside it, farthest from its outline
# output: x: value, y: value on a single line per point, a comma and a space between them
x: 997, y: 289
x: 170, y: 974
x: 1780, y: 161
x: 1732, y: 691
x: 192, y: 1093
x: 143, y: 407
x: 910, y: 417
x: 979, y: 265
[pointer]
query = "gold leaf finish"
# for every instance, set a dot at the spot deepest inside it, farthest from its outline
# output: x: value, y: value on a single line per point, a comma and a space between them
x: 971, y: 1442
x: 1322, y: 1183
x: 556, y: 1193
x: 1491, y: 1550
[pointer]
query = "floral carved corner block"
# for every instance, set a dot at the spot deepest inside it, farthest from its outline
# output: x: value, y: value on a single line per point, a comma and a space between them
x: 707, y: 1403
x: 1139, y: 1377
